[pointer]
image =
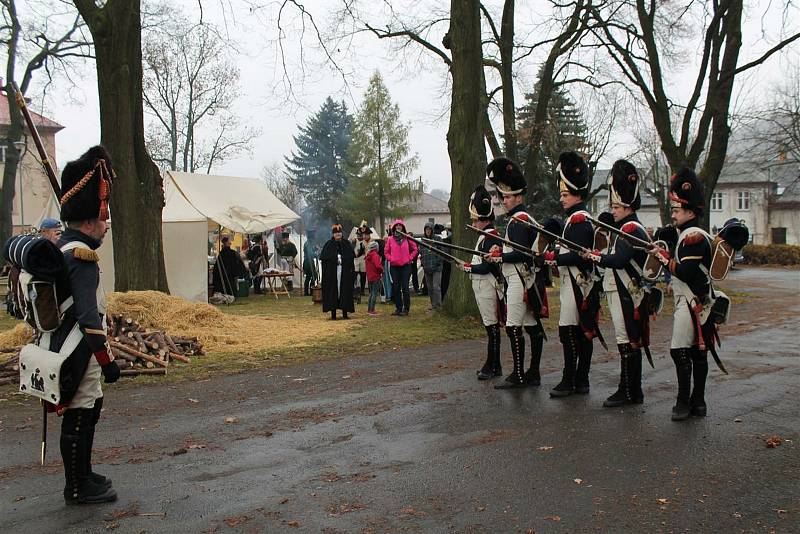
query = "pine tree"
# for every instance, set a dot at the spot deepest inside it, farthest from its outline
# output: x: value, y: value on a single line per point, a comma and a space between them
x: 565, y: 130
x: 379, y: 185
x: 318, y: 165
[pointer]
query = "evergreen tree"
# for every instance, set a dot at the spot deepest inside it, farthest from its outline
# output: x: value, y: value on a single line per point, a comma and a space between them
x: 379, y: 186
x: 318, y: 165
x: 565, y: 130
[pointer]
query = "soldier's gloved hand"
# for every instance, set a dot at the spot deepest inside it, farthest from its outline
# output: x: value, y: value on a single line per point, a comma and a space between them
x: 466, y: 267
x: 110, y: 372
x: 109, y: 367
x: 594, y: 256
x: 661, y: 255
x: 495, y: 256
x: 549, y: 257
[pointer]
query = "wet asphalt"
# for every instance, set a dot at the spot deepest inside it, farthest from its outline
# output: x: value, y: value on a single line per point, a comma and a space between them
x: 411, y: 441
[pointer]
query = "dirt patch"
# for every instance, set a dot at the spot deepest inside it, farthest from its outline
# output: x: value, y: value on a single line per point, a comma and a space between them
x: 494, y: 436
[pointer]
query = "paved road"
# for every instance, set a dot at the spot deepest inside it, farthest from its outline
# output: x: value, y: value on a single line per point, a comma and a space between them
x: 410, y: 441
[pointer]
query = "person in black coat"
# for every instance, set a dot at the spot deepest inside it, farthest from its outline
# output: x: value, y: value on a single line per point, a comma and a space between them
x: 228, y: 268
x: 338, y: 271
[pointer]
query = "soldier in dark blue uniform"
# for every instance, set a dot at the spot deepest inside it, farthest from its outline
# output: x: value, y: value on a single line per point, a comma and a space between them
x: 623, y: 284
x: 577, y: 322
x: 85, y: 191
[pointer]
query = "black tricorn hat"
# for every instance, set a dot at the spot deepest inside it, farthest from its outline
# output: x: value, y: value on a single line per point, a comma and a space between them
x: 507, y: 176
x: 686, y: 191
x: 480, y: 204
x: 86, y: 186
x: 623, y: 185
x: 573, y: 174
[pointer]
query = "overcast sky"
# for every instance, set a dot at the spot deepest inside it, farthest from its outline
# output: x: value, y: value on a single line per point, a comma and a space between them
x: 416, y: 81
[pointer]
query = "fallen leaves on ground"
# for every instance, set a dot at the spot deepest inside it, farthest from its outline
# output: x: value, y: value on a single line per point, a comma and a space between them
x: 578, y: 481
x: 293, y: 523
x: 410, y: 510
x: 231, y: 420
x: 553, y: 518
x: 494, y: 436
x: 773, y: 441
x: 545, y: 448
x: 344, y: 508
x: 236, y: 520
x: 662, y: 501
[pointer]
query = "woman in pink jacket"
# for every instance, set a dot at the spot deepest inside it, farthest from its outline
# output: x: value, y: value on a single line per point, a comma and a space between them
x: 401, y: 254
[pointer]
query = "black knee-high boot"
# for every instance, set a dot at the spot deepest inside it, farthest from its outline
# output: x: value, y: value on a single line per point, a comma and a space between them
x: 532, y: 375
x: 491, y: 368
x: 76, y: 446
x: 629, y: 390
x: 95, y: 417
x: 585, y: 350
x: 516, y: 378
x: 569, y: 342
x: 683, y: 369
x: 697, y: 401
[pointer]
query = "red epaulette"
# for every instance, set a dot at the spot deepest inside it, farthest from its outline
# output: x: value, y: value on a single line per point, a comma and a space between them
x: 629, y: 227
x: 694, y: 238
x: 522, y: 216
x: 577, y: 218
x: 493, y: 231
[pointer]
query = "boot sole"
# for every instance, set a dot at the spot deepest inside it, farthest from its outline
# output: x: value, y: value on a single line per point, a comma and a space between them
x: 560, y: 394
x: 510, y: 385
x: 108, y: 496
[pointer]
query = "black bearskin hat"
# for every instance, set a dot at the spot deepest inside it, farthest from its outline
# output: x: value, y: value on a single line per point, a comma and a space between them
x: 735, y: 233
x: 480, y: 205
x: 554, y: 226
x: 573, y: 174
x: 686, y: 191
x: 623, y: 185
x: 667, y: 234
x: 86, y: 186
x: 606, y: 218
x: 507, y: 176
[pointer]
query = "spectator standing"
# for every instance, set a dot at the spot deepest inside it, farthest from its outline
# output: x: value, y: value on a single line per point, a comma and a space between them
x: 432, y: 265
x: 401, y: 254
x: 51, y: 230
x: 374, y: 269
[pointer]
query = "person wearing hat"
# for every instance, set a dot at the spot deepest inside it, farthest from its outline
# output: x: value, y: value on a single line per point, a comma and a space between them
x: 623, y: 285
x: 85, y: 193
x: 51, y: 229
x: 580, y: 301
x: 488, y: 283
x: 288, y: 251
x: 360, y: 247
x: 691, y: 288
x: 337, y: 274
x: 523, y: 303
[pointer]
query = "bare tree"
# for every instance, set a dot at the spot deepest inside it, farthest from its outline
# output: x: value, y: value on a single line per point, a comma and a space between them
x: 50, y: 40
x: 190, y: 87
x: 282, y: 186
x: 643, y: 38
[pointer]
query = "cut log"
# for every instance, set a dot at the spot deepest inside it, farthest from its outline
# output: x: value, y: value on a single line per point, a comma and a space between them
x: 179, y: 357
x: 138, y: 354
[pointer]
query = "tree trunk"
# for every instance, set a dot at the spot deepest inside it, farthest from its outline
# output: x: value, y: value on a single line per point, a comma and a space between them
x: 506, y: 73
x: 14, y: 133
x: 138, y: 197
x: 465, y: 143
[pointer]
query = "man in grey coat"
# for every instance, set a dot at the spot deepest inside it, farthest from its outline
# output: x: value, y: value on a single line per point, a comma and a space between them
x: 432, y: 265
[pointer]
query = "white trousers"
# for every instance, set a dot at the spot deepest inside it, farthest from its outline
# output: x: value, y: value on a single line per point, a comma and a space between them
x: 568, y: 313
x: 518, y: 313
x: 486, y: 296
x: 89, y: 390
x: 683, y: 335
x: 617, y: 316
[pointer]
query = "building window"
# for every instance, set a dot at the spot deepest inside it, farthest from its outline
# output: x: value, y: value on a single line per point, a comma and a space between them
x: 779, y: 236
x: 431, y: 220
x: 743, y: 201
x: 716, y: 202
x: 2, y: 153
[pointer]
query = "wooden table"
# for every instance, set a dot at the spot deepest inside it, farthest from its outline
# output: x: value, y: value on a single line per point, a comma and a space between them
x: 275, y: 279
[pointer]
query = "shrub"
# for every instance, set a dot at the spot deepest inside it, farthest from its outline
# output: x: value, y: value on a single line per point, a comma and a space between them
x: 772, y: 254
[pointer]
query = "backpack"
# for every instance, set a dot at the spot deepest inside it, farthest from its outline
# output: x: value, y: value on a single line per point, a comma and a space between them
x: 37, y: 265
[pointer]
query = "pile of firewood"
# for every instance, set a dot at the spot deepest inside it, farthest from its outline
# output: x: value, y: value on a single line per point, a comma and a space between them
x: 139, y: 351
x: 9, y: 369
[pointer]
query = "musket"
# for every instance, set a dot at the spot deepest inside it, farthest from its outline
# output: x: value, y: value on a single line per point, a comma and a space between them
x: 555, y: 237
x: 433, y: 249
x: 632, y: 238
x: 48, y: 167
x: 452, y: 246
x: 516, y: 246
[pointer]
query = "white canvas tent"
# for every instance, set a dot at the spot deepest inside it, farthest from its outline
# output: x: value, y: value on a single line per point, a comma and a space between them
x: 243, y: 205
